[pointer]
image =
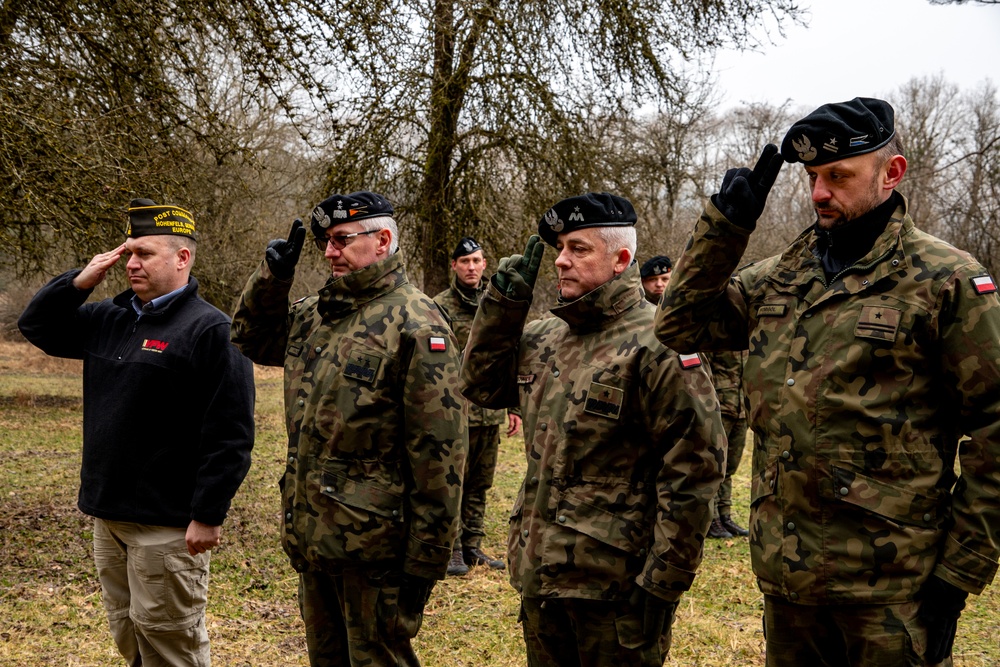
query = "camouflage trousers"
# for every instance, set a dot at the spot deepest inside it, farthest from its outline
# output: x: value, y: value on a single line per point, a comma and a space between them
x: 882, y: 635
x: 568, y: 632
x: 352, y: 619
x: 736, y: 433
x: 480, y: 467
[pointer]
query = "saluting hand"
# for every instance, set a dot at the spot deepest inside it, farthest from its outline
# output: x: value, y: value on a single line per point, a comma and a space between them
x: 283, y: 254
x: 516, y: 275
x: 744, y: 192
x: 93, y: 274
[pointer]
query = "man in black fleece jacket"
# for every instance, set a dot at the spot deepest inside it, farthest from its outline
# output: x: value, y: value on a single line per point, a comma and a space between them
x: 167, y: 430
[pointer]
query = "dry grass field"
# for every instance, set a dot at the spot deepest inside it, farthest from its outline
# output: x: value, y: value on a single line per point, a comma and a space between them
x: 50, y: 607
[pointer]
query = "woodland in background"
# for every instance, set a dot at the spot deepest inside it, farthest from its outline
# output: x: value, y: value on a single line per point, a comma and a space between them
x: 472, y: 117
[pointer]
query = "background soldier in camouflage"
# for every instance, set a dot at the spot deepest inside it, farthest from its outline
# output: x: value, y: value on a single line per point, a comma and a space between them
x: 727, y: 377
x: 655, y: 274
x: 459, y: 304
x: 623, y: 442
x: 376, y: 431
x: 873, y: 349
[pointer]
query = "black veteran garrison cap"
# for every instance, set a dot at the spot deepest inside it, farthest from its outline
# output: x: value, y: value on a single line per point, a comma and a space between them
x: 594, y: 209
x: 839, y: 130
x: 655, y: 266
x: 338, y: 209
x: 466, y: 246
x: 147, y: 218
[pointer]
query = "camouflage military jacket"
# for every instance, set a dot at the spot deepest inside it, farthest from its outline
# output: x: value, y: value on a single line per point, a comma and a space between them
x: 459, y: 305
x: 624, y: 443
x: 858, y: 393
x: 727, y: 376
x: 376, y: 425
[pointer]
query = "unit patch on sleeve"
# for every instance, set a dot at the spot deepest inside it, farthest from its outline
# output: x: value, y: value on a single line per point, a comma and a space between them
x: 689, y: 360
x: 362, y: 366
x: 984, y: 284
x: 604, y: 400
x: 438, y: 343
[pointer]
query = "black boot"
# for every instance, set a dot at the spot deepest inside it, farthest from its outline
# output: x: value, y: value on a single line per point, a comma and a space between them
x: 474, y: 556
x: 717, y: 530
x: 457, y: 566
x: 733, y: 527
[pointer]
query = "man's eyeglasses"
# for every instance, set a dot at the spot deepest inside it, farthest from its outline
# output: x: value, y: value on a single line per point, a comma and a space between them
x: 339, y: 241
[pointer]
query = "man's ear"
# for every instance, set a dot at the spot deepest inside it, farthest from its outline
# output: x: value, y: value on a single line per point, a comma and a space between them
x: 183, y: 257
x: 622, y: 260
x: 384, y: 237
x: 894, y: 171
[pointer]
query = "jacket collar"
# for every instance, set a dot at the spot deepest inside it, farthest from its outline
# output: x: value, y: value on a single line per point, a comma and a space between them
x: 468, y: 296
x: 800, y: 264
x: 124, y: 300
x: 603, y: 304
x: 347, y: 293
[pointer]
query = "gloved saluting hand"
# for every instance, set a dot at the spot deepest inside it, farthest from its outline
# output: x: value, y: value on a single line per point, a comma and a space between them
x: 283, y: 254
x: 940, y: 606
x: 516, y: 275
x: 743, y: 193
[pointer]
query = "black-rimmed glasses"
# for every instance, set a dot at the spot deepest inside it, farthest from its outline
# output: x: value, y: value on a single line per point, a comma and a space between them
x: 339, y: 241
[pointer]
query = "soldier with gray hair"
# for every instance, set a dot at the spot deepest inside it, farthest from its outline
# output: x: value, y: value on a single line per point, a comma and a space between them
x: 624, y: 443
x: 376, y: 426
x: 873, y: 367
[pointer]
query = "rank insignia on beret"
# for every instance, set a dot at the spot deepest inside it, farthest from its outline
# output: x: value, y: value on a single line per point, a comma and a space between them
x: 689, y: 360
x: 438, y: 344
x: 984, y: 284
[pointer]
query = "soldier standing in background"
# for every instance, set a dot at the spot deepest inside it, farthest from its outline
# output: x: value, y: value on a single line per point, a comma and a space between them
x: 874, y: 350
x: 623, y: 442
x: 376, y: 431
x: 727, y: 377
x: 459, y: 304
x: 655, y: 274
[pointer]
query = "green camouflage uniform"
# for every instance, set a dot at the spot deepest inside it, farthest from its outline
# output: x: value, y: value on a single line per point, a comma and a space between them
x: 459, y: 304
x: 727, y: 376
x: 624, y: 446
x: 376, y: 423
x: 858, y: 394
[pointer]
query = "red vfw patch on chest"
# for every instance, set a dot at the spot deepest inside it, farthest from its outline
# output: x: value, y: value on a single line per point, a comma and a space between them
x: 151, y: 345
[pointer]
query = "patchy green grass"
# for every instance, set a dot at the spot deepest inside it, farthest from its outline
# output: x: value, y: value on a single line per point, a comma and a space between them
x: 50, y: 607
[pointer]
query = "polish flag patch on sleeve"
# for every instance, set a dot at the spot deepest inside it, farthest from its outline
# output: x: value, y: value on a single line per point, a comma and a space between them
x: 984, y: 284
x: 689, y: 360
x: 438, y: 343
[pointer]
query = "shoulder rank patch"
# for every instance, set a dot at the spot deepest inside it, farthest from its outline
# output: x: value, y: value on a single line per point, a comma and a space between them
x: 362, y: 366
x: 689, y: 360
x: 604, y: 400
x: 984, y: 284
x: 772, y: 310
x: 438, y: 343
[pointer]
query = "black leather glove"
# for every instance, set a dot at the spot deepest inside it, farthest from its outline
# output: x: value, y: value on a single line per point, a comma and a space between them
x: 283, y: 254
x: 657, y: 613
x: 516, y: 275
x: 743, y: 193
x: 940, y: 606
x: 414, y: 592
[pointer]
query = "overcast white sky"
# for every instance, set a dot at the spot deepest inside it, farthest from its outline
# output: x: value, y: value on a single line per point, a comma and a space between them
x: 865, y: 48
